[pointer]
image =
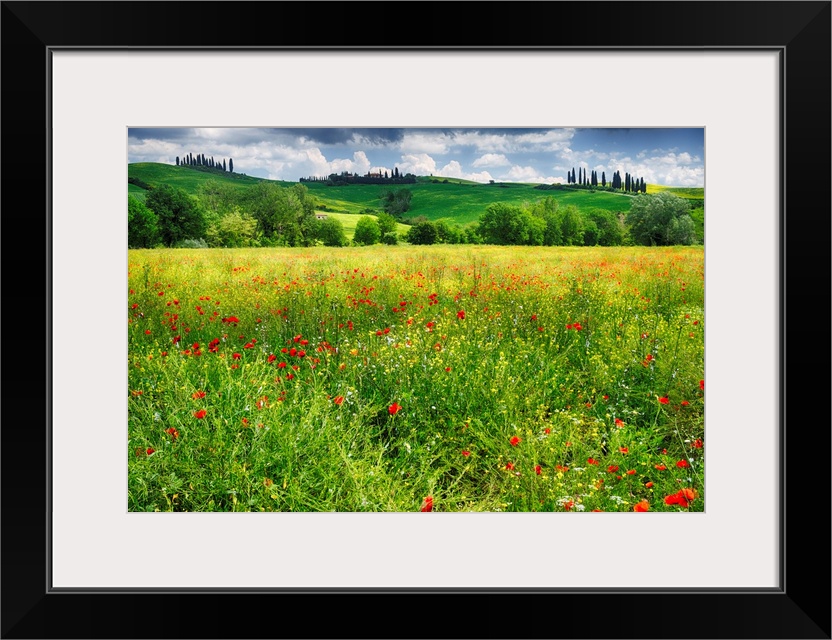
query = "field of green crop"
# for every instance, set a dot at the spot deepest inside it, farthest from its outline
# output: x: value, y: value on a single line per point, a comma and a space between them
x: 443, y: 378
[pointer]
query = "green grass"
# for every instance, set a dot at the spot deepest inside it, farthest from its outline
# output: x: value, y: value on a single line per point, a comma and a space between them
x: 137, y: 192
x: 461, y: 200
x: 368, y: 379
x: 186, y: 178
x: 691, y: 193
x: 464, y: 203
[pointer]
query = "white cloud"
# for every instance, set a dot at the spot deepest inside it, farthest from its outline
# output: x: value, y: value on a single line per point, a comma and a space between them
x: 420, y: 164
x: 491, y: 160
x: 529, y: 174
x: 419, y: 143
x: 451, y: 170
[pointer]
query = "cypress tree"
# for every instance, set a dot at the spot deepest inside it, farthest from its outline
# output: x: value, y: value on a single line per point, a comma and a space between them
x: 231, y: 165
x: 603, y: 179
x: 177, y: 161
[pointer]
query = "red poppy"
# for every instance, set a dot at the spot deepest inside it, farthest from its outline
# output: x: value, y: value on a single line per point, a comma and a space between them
x: 236, y: 356
x: 460, y: 314
x: 682, y: 464
x: 150, y: 451
x: 338, y: 400
x: 568, y: 505
x: 664, y: 400
x: 200, y: 414
x: 631, y: 472
x: 648, y: 484
x: 427, y: 504
x: 612, y: 468
x: 561, y: 468
x: 591, y: 461
x: 198, y: 395
x: 698, y: 444
x: 172, y: 432
x: 702, y: 385
x: 537, y: 469
x: 547, y: 431
x: 466, y: 453
x: 624, y: 450
x: 394, y: 408
x: 661, y: 467
x: 509, y: 466
x: 271, y: 358
x: 642, y: 506
x: 619, y: 422
x: 682, y: 498
x: 685, y: 403
x: 515, y: 441
x: 281, y: 365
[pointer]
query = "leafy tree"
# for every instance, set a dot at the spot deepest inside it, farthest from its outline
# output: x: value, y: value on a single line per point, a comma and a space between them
x: 218, y: 197
x: 571, y: 226
x: 396, y: 202
x: 509, y: 224
x: 235, y: 229
x: 285, y: 215
x: 422, y: 233
x: 660, y: 219
x: 448, y: 232
x: 391, y: 238
x: 591, y: 233
x: 331, y: 233
x: 386, y: 223
x: 180, y: 216
x: 367, y: 231
x: 611, y: 229
x: 142, y: 225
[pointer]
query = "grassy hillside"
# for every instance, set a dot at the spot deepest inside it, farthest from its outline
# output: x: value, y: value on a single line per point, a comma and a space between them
x: 691, y: 193
x: 460, y: 200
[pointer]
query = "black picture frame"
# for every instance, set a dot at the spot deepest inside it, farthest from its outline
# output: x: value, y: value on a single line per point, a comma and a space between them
x: 799, y: 608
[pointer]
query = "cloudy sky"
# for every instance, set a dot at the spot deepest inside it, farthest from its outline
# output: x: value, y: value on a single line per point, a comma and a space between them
x: 661, y: 156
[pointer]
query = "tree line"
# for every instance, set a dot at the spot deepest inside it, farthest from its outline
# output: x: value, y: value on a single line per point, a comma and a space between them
x: 630, y: 184
x: 199, y: 160
x: 268, y: 214
x: 346, y: 178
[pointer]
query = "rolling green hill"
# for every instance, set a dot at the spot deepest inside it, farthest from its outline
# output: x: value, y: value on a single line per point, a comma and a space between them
x: 462, y: 201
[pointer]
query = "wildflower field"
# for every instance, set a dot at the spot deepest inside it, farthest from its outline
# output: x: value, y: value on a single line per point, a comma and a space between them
x: 442, y: 378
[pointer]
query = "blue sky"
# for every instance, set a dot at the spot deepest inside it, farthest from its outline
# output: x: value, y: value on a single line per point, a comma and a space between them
x: 664, y: 156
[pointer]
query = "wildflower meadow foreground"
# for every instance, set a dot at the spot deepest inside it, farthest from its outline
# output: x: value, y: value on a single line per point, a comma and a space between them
x: 443, y: 378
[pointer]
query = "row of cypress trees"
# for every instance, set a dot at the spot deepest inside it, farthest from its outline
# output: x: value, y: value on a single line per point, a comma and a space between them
x: 199, y: 160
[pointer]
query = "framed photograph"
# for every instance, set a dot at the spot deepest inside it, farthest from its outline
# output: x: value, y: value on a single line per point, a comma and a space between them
x: 93, y: 89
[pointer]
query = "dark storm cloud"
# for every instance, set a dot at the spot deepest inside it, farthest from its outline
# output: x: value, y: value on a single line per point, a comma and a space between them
x: 335, y: 136
x: 171, y: 134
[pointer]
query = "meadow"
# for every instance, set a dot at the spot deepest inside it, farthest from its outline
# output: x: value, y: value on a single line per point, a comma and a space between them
x: 393, y: 379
